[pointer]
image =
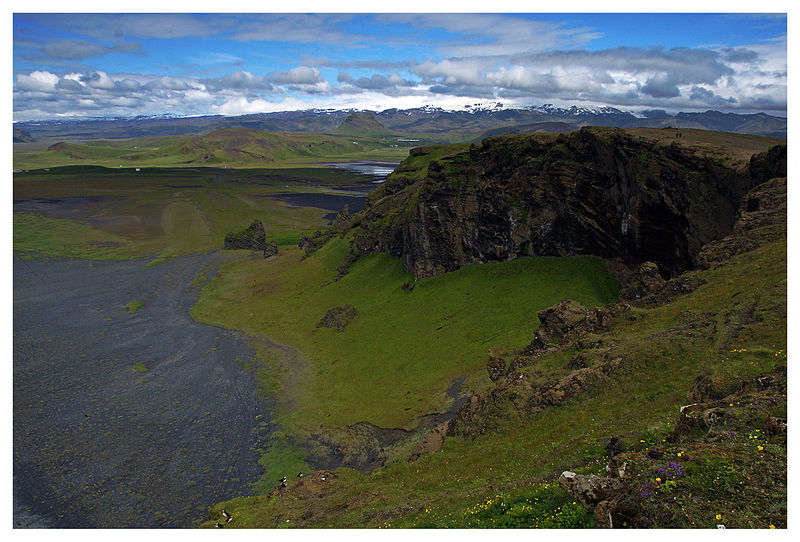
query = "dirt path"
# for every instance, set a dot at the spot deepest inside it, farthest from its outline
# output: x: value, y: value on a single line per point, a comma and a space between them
x: 100, y: 444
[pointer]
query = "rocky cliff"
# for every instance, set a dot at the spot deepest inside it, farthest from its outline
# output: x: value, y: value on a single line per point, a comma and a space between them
x: 596, y: 191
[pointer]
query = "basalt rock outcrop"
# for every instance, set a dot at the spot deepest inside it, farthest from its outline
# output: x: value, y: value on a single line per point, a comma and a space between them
x: 519, y: 388
x: 594, y: 191
x: 252, y: 238
x: 761, y: 219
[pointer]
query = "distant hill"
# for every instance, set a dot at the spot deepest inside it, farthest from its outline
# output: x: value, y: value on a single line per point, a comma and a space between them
x: 239, y: 147
x: 22, y: 136
x: 362, y: 124
x: 534, y: 128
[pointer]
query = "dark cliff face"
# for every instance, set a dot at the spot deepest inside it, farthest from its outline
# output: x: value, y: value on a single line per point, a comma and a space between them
x: 595, y: 191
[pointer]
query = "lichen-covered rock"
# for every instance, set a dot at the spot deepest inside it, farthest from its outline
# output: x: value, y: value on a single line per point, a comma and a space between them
x: 571, y: 321
x: 496, y: 367
x: 589, y: 489
x: 432, y: 442
x: 555, y: 322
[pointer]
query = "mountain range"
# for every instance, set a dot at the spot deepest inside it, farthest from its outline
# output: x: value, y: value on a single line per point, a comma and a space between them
x: 468, y: 124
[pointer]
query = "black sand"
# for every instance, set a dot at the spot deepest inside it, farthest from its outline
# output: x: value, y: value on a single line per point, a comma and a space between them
x: 98, y: 444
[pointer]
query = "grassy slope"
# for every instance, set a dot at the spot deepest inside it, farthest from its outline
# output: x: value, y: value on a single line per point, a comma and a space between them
x: 399, y: 354
x: 513, y: 463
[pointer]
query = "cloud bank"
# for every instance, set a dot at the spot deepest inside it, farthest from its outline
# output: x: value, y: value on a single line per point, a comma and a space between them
x: 446, y: 60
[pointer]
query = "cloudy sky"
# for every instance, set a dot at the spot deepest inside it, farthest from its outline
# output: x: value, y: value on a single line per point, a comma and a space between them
x: 150, y: 63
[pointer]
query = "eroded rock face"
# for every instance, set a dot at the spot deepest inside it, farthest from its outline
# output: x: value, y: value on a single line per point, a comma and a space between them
x: 600, y: 192
x: 432, y: 442
x: 762, y: 219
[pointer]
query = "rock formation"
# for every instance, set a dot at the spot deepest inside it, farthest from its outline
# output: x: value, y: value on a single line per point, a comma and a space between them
x: 338, y: 317
x: 595, y: 191
x: 518, y: 388
x: 252, y: 238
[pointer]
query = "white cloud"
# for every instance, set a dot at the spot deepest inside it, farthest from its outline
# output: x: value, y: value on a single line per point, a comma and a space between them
x: 301, y: 75
x: 243, y: 106
x: 98, y: 80
x: 41, y: 81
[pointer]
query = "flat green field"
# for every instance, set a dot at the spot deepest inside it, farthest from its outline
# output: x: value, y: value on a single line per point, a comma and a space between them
x: 239, y: 147
x: 100, y: 213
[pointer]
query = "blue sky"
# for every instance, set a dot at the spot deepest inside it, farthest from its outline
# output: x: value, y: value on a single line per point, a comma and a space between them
x: 88, y: 64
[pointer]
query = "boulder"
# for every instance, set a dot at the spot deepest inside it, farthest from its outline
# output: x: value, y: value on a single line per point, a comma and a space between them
x: 555, y: 322
x: 589, y: 489
x: 338, y: 317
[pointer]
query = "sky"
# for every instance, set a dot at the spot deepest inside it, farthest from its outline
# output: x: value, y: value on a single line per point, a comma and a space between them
x: 127, y: 64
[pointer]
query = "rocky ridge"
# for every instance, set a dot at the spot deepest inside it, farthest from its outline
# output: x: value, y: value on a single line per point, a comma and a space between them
x: 594, y: 191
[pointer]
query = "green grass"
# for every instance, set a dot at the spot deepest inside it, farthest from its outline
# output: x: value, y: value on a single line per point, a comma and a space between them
x: 38, y: 236
x: 134, y: 306
x: 140, y: 367
x: 398, y: 355
x: 541, y: 505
